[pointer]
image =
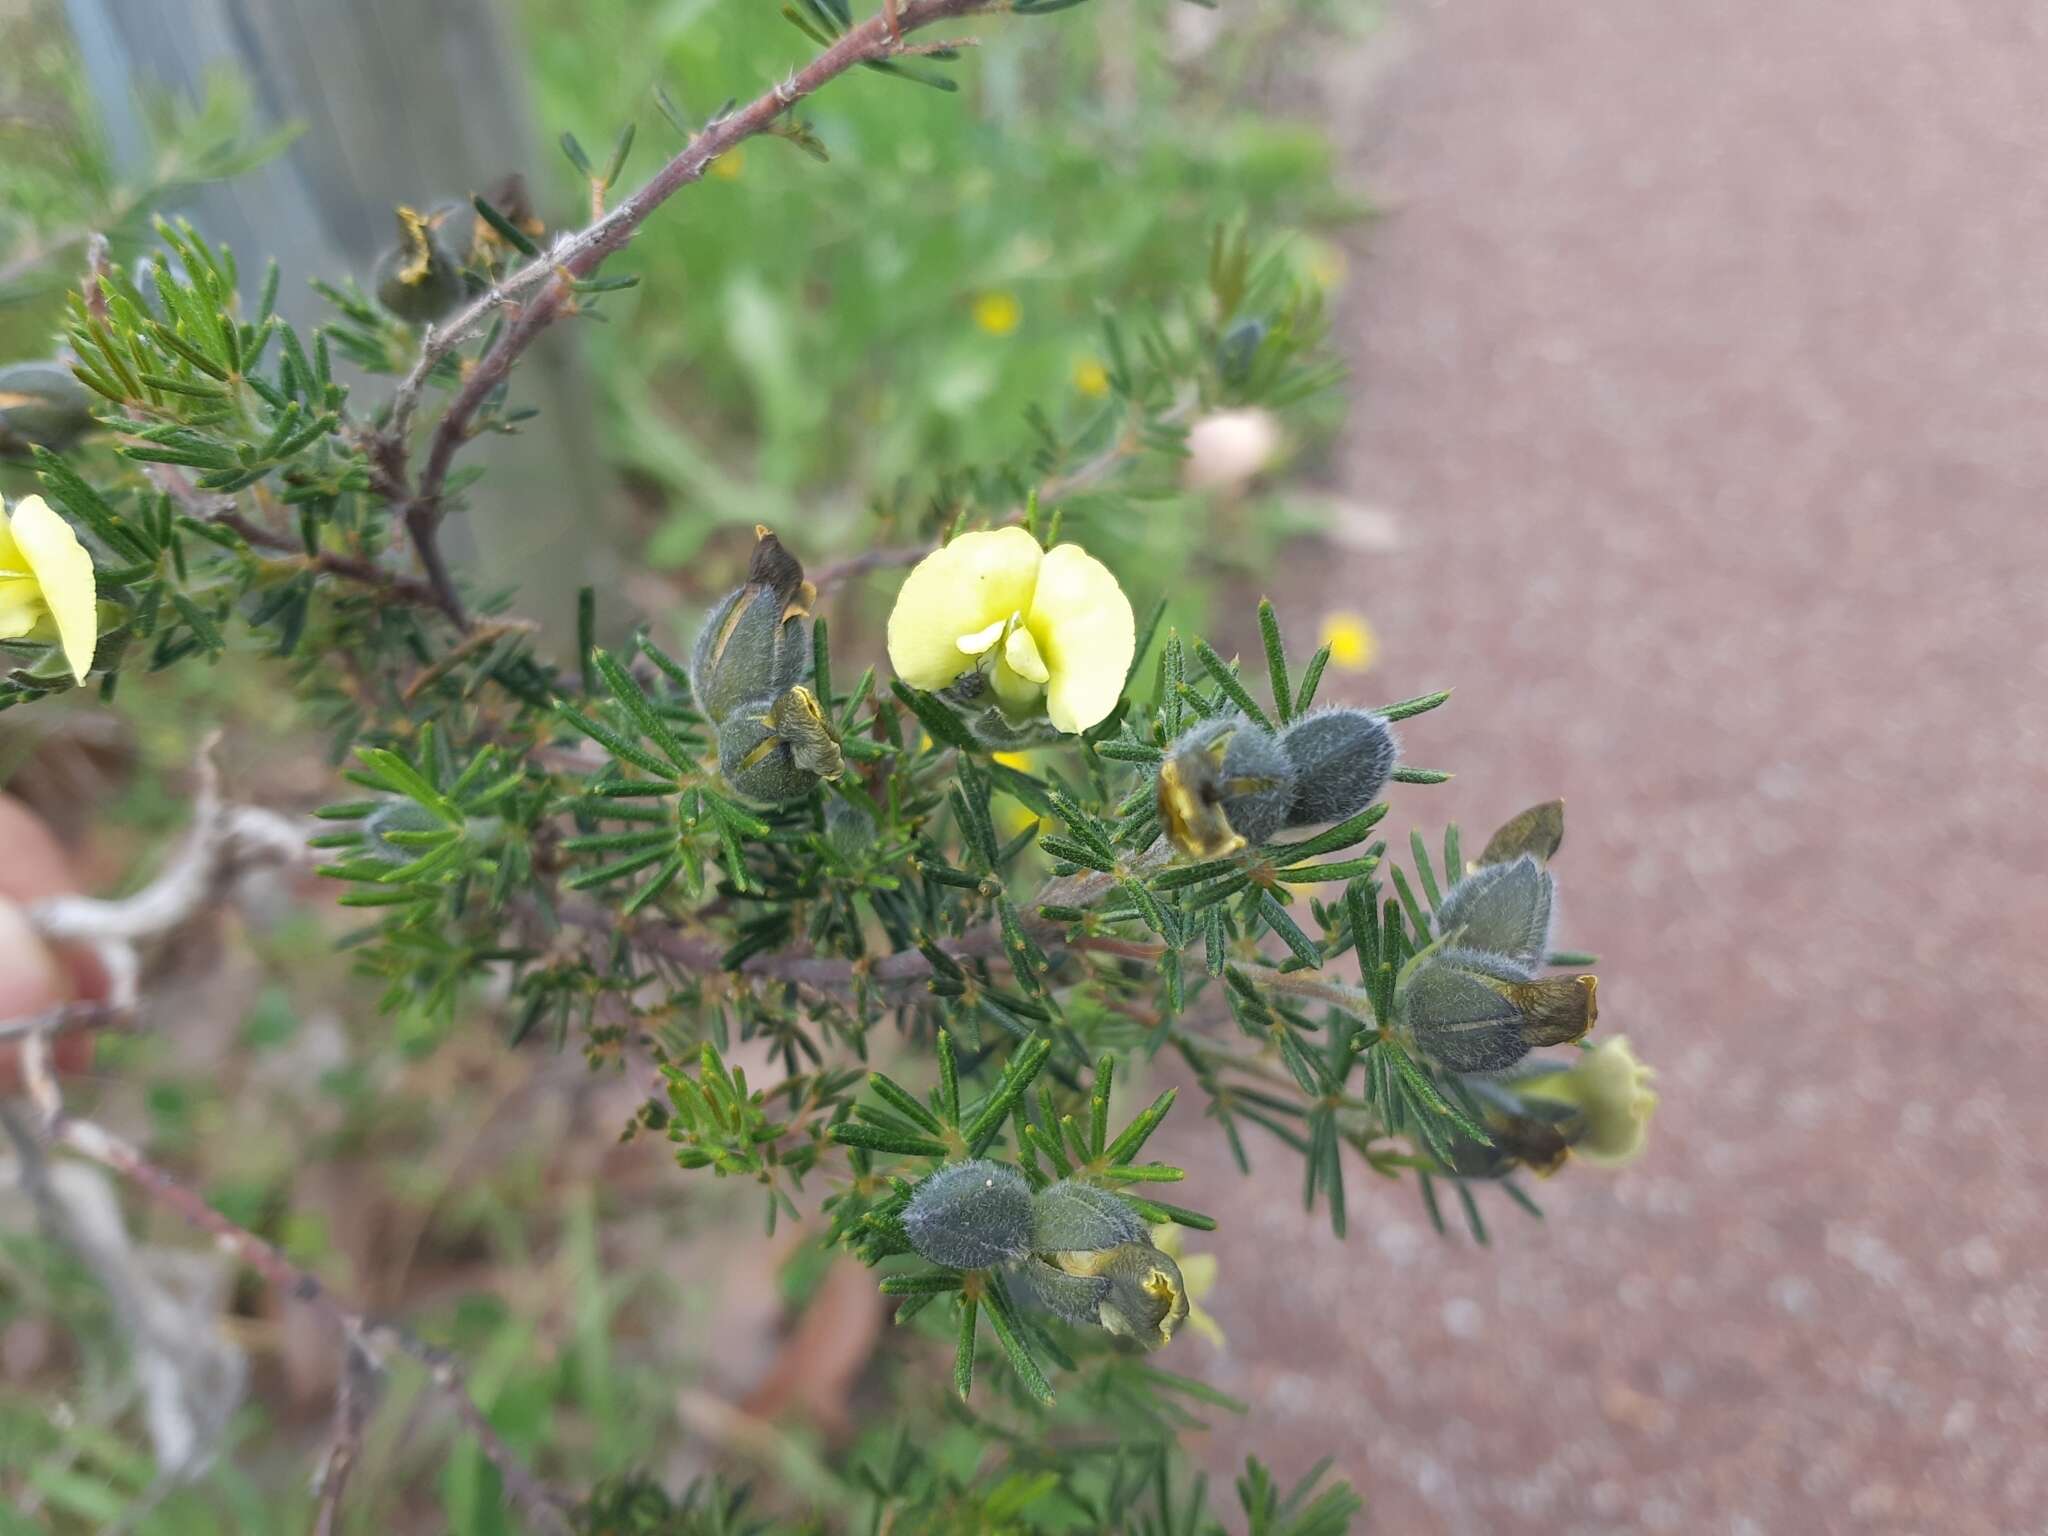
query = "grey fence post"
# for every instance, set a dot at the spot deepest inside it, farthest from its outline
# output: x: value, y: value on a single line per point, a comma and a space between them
x: 409, y: 101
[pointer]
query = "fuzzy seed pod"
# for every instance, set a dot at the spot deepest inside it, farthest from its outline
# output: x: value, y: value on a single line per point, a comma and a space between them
x: 973, y: 1215
x: 1225, y: 783
x: 1503, y: 909
x: 419, y: 279
x: 1074, y: 1216
x: 755, y: 643
x: 776, y: 749
x: 1470, y: 1011
x: 41, y: 405
x: 1342, y: 760
x: 1538, y: 831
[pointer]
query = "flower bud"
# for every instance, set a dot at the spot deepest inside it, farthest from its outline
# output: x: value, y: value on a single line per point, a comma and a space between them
x: 776, y: 749
x: 1226, y: 783
x: 1538, y: 1140
x: 1071, y: 1216
x: 1342, y: 760
x: 418, y: 279
x: 755, y: 644
x: 41, y: 405
x: 1470, y: 1011
x: 1503, y: 909
x: 972, y: 1215
x: 397, y: 816
x: 1143, y: 1297
x: 1609, y: 1088
x: 1239, y: 349
x: 1538, y: 831
x: 849, y: 827
x: 1226, y: 449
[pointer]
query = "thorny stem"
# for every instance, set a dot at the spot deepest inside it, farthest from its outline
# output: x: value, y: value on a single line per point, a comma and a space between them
x: 577, y: 257
x: 220, y: 510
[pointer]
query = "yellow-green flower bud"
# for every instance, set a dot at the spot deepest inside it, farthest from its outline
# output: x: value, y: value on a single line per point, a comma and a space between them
x: 1610, y: 1088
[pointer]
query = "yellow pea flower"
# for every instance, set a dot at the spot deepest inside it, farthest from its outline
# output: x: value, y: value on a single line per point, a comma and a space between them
x: 1610, y: 1085
x: 1091, y: 378
x: 1353, y: 645
x: 1039, y: 624
x: 998, y: 313
x: 46, y: 583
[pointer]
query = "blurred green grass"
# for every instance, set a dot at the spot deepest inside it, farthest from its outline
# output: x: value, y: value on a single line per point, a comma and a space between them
x: 805, y: 332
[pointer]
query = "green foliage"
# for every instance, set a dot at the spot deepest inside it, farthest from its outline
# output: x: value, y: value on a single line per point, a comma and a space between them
x: 585, y: 849
x: 811, y: 331
x: 58, y: 178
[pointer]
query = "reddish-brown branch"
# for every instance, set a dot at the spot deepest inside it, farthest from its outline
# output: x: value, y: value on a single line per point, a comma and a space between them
x: 579, y: 256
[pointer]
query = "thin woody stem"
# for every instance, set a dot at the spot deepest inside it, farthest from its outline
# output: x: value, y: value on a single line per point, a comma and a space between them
x: 377, y: 1341
x: 544, y: 288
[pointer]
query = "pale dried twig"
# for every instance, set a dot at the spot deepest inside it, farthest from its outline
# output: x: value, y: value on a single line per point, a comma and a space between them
x: 222, y: 842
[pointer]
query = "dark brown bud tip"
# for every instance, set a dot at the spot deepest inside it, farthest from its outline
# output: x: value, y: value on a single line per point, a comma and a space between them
x: 1539, y: 830
x: 776, y: 568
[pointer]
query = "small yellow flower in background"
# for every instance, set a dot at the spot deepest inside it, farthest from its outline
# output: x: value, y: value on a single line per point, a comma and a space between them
x: 1610, y: 1085
x: 46, y: 583
x: 727, y: 167
x: 1326, y: 266
x: 1040, y: 624
x: 1197, y: 1279
x: 998, y: 313
x: 1091, y: 378
x: 1353, y: 645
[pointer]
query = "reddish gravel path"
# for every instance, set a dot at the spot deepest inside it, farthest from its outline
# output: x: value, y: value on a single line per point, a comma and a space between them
x: 1703, y: 359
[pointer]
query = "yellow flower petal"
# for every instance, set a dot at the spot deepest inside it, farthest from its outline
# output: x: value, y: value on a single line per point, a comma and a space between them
x: 1021, y: 652
x: 998, y: 313
x: 1086, y: 633
x: 63, y: 570
x: 1091, y: 378
x: 12, y: 561
x: 981, y: 639
x: 978, y: 580
x: 21, y: 605
x: 1611, y: 1085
